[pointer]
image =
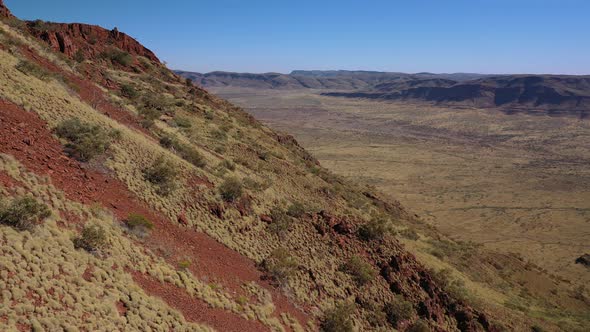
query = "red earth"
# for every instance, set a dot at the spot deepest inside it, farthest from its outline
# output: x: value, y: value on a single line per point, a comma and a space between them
x: 25, y: 136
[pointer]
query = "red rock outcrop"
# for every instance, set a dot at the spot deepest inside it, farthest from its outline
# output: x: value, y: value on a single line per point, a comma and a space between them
x: 4, y: 11
x: 90, y: 40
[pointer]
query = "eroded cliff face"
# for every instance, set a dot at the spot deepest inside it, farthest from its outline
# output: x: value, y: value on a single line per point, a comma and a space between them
x: 4, y: 11
x: 90, y: 41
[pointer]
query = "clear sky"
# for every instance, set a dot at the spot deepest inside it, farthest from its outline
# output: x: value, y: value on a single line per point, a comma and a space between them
x: 484, y: 36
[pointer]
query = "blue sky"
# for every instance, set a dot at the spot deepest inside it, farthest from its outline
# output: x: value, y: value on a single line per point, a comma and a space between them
x: 485, y: 36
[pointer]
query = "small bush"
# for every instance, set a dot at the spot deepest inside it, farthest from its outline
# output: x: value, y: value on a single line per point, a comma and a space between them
x: 228, y: 165
x: 85, y: 141
x: 185, y: 151
x: 419, y: 326
x: 281, y: 222
x: 92, y: 239
x: 296, y: 210
x: 361, y: 272
x: 184, y: 264
x: 280, y: 265
x: 139, y: 224
x: 79, y: 56
x: 182, y: 122
x: 162, y: 173
x: 231, y: 189
x: 338, y: 319
x: 32, y: 69
x: 24, y: 213
x: 409, y: 233
x: 398, y: 310
x: 375, y: 229
x: 127, y: 90
x: 120, y: 57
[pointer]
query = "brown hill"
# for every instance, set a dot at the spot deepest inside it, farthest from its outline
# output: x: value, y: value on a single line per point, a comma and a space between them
x: 301, y: 79
x: 133, y: 200
x: 535, y: 94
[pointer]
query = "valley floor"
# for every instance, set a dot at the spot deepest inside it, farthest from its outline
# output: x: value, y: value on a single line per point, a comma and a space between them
x: 514, y: 183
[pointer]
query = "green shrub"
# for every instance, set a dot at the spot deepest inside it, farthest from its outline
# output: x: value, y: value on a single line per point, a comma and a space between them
x: 409, y: 233
x: 375, y: 229
x: 228, y: 165
x: 117, y: 56
x: 296, y: 210
x: 280, y: 265
x: 338, y: 319
x: 162, y: 173
x: 419, y: 326
x: 185, y: 151
x: 32, y: 69
x: 230, y: 189
x: 184, y: 264
x: 24, y: 213
x: 182, y: 122
x: 85, y: 141
x: 361, y: 272
x: 139, y: 224
x: 398, y: 310
x: 127, y: 90
x: 281, y: 222
x: 79, y: 56
x: 92, y: 239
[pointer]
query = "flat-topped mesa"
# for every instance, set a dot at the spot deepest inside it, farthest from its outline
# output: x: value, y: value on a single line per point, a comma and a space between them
x: 90, y: 40
x: 4, y: 11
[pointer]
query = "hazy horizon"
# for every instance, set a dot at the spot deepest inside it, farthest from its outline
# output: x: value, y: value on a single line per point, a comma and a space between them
x: 499, y: 37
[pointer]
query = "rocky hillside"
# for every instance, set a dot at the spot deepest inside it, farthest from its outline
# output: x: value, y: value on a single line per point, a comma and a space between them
x: 133, y: 200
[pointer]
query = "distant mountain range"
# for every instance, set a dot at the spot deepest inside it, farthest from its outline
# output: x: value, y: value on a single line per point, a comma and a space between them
x: 535, y: 94
x: 313, y: 79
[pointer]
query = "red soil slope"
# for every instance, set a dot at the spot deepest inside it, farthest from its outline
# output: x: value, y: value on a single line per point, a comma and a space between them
x: 25, y: 136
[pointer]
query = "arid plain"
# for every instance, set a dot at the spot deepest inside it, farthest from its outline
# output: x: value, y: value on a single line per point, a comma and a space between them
x: 513, y: 182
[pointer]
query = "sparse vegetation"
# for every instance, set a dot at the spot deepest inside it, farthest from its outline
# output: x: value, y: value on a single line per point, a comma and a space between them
x: 231, y: 189
x: 374, y: 229
x: 92, y: 239
x: 23, y: 213
x: 85, y: 141
x: 338, y: 319
x: 116, y: 56
x: 127, y: 90
x: 139, y: 224
x: 361, y: 272
x: 184, y: 264
x: 32, y: 69
x: 280, y: 265
x: 281, y: 222
x: 162, y: 173
x: 419, y: 326
x: 296, y: 210
x: 398, y: 310
x: 185, y: 151
x: 410, y: 234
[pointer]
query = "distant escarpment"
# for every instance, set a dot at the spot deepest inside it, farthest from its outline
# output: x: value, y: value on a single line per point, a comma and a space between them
x: 313, y: 79
x: 534, y: 94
